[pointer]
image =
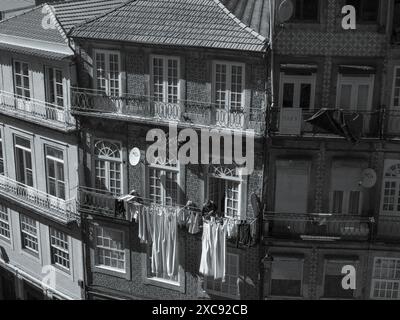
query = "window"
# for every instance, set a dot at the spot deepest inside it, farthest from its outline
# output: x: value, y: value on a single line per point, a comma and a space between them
x: 110, y: 253
x: 305, y: 10
x: 108, y: 166
x: 59, y: 248
x: 229, y: 85
x: 391, y: 190
x: 229, y: 287
x: 107, y: 72
x: 2, y: 166
x: 55, y: 172
x: 54, y: 83
x: 366, y: 10
x: 386, y: 279
x: 22, y: 79
x: 29, y: 234
x: 333, y: 279
x: 346, y: 192
x: 23, y: 158
x: 163, y: 185
x: 396, y: 89
x: 355, y: 93
x: 165, y: 79
x: 4, y: 222
x: 286, y: 277
x: 297, y: 91
x: 226, y: 195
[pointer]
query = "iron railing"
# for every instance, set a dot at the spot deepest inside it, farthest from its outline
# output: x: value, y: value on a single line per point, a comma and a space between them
x: 46, y: 113
x: 388, y: 227
x: 364, y: 124
x: 317, y: 226
x: 142, y: 107
x: 64, y: 211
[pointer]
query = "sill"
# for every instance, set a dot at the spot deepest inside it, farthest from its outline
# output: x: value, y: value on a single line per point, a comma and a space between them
x: 122, y: 272
x: 6, y: 240
x: 167, y: 284
x: 62, y: 269
x: 31, y: 253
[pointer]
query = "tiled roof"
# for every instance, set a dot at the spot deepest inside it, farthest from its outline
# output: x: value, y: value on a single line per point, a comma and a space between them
x: 254, y: 13
x: 11, y: 5
x: 29, y: 25
x: 72, y: 13
x: 196, y: 23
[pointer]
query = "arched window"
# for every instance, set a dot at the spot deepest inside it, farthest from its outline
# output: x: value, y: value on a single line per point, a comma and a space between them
x: 108, y: 164
x: 391, y: 190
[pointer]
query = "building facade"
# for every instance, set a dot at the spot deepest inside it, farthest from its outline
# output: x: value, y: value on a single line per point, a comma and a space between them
x: 342, y: 182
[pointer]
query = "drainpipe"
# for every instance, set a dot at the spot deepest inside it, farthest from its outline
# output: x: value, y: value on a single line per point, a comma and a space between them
x: 270, y: 107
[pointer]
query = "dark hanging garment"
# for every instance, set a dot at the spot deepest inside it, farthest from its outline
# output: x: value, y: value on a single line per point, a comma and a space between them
x: 119, y: 208
x: 338, y: 122
x: 244, y: 235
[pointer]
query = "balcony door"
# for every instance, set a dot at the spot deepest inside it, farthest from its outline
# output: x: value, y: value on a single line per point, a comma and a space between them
x: 55, y: 172
x: 22, y: 86
x: 165, y: 87
x: 355, y: 93
x: 23, y: 160
x: 346, y: 194
x: 229, y: 82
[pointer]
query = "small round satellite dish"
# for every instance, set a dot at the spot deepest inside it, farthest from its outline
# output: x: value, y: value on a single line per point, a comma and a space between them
x: 285, y: 10
x: 368, y: 178
x: 134, y: 156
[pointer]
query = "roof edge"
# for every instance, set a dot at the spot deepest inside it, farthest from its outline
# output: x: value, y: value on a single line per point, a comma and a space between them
x: 239, y: 22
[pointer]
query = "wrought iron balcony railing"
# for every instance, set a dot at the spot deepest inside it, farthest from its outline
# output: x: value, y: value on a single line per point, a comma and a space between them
x: 292, y: 121
x: 94, y: 201
x: 64, y: 211
x: 35, y: 110
x: 148, y: 108
x: 322, y: 227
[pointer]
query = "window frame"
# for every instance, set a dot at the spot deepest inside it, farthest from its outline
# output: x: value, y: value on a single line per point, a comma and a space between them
x: 355, y: 82
x: 56, y: 178
x: 374, y: 280
x: 119, y: 161
x: 29, y: 76
x: 396, y: 76
x: 24, y: 150
x: 387, y: 168
x: 107, y: 78
x: 123, y: 271
x: 297, y: 80
x: 163, y: 169
x: 294, y: 19
x: 165, y: 59
x: 299, y: 260
x: 37, y: 236
x: 3, y: 165
x: 58, y: 248
x: 222, y: 293
x: 5, y: 211
x: 228, y: 84
x: 52, y: 86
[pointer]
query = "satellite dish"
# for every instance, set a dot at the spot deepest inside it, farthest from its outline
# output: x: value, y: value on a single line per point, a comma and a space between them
x: 285, y: 10
x: 368, y: 178
x: 134, y: 156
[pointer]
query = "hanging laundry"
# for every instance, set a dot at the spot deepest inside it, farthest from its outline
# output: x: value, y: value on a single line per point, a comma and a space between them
x: 219, y: 250
x: 144, y: 222
x: 206, y: 250
x: 232, y: 228
x: 244, y: 234
x: 194, y: 222
x: 119, y: 208
x: 157, y: 237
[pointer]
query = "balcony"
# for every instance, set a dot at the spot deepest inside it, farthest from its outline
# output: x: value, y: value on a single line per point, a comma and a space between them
x: 36, y: 111
x: 292, y: 121
x: 148, y: 109
x: 94, y: 201
x: 317, y: 227
x: 63, y: 211
x: 392, y: 123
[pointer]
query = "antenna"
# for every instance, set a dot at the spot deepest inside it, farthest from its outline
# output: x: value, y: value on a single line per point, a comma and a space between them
x: 285, y: 11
